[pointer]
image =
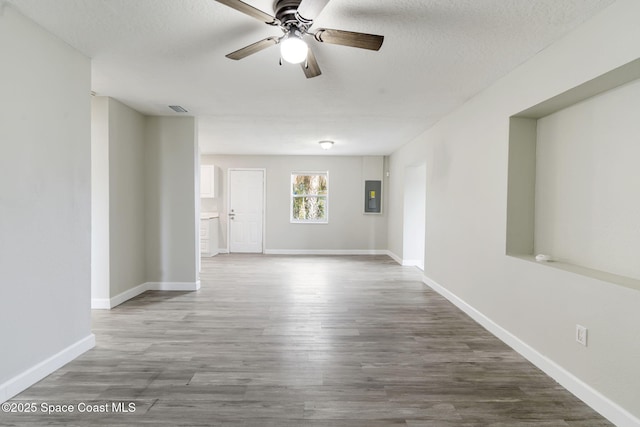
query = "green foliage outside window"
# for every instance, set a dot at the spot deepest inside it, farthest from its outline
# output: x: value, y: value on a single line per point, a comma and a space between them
x: 309, y: 194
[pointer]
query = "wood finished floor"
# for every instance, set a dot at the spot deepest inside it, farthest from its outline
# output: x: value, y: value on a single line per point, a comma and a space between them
x: 302, y: 341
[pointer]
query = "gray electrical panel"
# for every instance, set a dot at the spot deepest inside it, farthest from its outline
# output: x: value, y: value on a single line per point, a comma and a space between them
x: 372, y: 196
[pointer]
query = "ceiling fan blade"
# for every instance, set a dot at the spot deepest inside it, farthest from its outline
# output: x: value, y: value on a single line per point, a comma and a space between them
x: 310, y: 66
x: 247, y: 9
x: 349, y: 38
x: 253, y: 48
x: 309, y: 10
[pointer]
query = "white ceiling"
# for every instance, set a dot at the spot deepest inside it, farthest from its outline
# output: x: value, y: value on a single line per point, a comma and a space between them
x: 436, y: 54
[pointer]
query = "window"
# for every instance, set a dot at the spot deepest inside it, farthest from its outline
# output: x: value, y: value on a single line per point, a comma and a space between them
x: 310, y: 197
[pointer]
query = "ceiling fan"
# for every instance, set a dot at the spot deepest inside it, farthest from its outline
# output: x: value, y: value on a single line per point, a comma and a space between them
x: 295, y: 18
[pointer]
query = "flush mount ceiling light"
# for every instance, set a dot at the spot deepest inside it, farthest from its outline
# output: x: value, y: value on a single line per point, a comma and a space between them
x: 293, y: 49
x: 326, y: 145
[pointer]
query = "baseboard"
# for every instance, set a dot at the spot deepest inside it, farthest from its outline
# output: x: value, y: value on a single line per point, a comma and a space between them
x: 406, y: 262
x: 108, y: 304
x: 100, y: 304
x: 326, y: 252
x: 413, y: 263
x: 600, y: 403
x: 395, y: 257
x: 173, y: 286
x: 34, y: 374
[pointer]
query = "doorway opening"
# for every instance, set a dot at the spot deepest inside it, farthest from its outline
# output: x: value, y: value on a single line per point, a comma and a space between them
x: 413, y: 233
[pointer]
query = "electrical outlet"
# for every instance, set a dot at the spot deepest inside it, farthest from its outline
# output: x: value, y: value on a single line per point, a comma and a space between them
x: 581, y: 335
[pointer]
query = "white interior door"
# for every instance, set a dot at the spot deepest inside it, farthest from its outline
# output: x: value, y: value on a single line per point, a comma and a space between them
x: 246, y: 204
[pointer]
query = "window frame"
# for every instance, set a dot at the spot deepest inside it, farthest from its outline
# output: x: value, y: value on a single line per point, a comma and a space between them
x: 292, y: 196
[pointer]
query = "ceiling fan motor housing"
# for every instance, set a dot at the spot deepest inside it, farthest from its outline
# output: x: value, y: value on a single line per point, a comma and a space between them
x: 286, y: 13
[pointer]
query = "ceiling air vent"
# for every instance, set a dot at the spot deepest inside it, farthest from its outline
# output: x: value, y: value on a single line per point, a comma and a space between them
x: 177, y: 109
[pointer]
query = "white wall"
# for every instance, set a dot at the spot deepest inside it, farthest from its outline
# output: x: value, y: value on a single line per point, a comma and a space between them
x: 399, y: 163
x: 348, y: 228
x: 45, y: 203
x: 415, y: 182
x: 171, y: 150
x: 587, y: 206
x: 127, y: 198
x: 143, y: 194
x: 117, y: 207
x: 100, y: 279
x: 534, y: 307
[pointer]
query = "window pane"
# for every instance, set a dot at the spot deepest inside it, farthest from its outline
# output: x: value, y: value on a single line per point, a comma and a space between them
x: 300, y: 184
x: 309, y: 208
x: 320, y: 185
x: 309, y: 193
x: 309, y: 184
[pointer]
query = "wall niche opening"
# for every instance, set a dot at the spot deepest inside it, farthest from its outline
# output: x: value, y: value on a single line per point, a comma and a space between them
x: 574, y: 180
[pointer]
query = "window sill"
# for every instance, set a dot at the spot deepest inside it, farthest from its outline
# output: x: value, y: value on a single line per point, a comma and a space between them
x: 627, y: 282
x: 309, y: 222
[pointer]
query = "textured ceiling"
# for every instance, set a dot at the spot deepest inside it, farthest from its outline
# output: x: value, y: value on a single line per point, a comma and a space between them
x: 437, y: 53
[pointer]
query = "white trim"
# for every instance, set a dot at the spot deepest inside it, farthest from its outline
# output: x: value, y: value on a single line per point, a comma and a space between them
x: 600, y: 403
x: 100, y: 304
x: 412, y: 263
x: 173, y: 286
x: 326, y: 252
x: 325, y: 220
x: 395, y: 257
x: 34, y: 374
x: 108, y: 304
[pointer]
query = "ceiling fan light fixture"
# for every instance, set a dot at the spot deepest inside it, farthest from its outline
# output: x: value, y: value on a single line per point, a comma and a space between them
x: 326, y: 145
x: 293, y: 49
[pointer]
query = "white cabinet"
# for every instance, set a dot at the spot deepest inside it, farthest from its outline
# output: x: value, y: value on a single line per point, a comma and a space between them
x: 208, y: 237
x: 207, y: 181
